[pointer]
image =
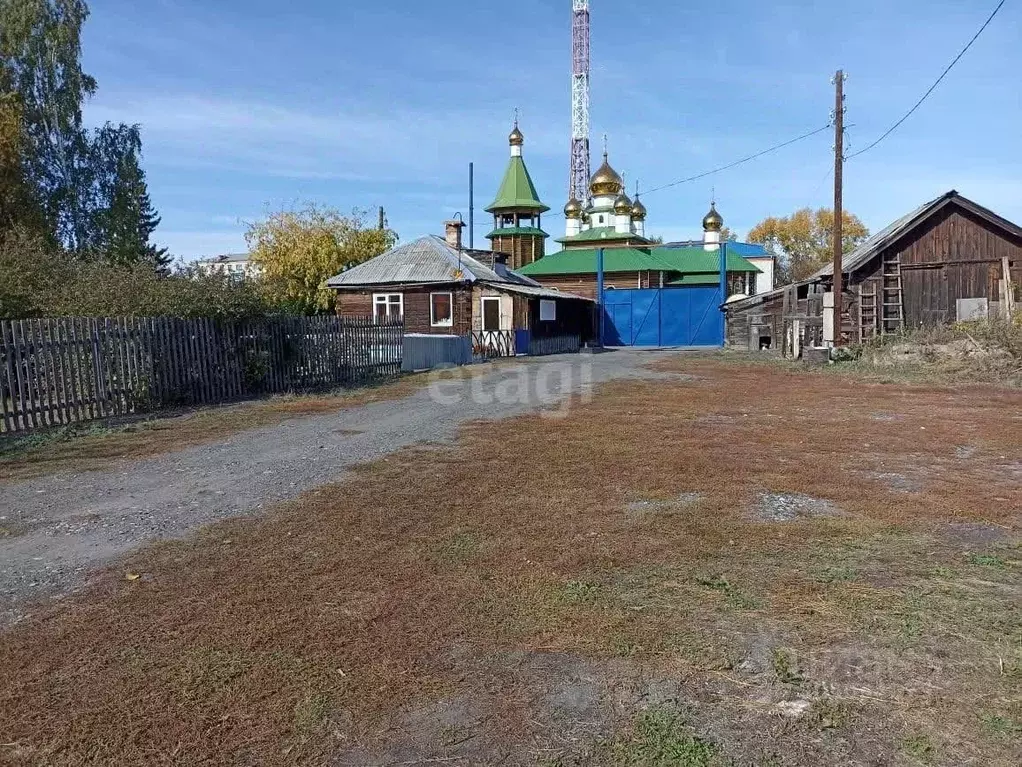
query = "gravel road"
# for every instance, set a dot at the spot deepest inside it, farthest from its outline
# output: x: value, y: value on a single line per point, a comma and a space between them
x: 67, y: 525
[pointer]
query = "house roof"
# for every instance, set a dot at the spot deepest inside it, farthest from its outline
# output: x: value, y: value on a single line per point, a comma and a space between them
x: 230, y: 258
x: 517, y: 190
x: 887, y: 236
x: 743, y: 249
x: 685, y: 260
x: 431, y: 260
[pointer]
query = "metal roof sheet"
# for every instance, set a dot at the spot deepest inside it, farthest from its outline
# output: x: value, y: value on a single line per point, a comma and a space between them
x: 427, y: 259
x: 888, y: 235
x: 537, y: 292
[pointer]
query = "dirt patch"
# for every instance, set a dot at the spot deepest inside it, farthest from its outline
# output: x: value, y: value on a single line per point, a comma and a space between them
x: 791, y: 507
x: 664, y: 506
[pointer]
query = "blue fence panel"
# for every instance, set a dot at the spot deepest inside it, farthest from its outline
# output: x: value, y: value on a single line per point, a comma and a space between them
x: 664, y: 317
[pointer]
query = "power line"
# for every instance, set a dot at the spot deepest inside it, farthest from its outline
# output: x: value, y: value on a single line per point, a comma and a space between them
x: 736, y: 163
x: 934, y: 86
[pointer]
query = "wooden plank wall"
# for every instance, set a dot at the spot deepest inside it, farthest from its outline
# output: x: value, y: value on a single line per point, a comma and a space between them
x: 60, y: 371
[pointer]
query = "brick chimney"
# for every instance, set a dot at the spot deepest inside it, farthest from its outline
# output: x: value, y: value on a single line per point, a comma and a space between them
x: 453, y: 233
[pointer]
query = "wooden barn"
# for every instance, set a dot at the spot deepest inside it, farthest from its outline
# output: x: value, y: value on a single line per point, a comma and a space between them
x: 948, y: 260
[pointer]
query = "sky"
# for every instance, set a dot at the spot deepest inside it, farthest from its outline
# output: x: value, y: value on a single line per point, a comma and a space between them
x: 251, y: 107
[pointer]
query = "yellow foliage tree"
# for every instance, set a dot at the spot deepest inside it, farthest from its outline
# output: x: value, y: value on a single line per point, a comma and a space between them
x: 805, y: 239
x: 298, y: 251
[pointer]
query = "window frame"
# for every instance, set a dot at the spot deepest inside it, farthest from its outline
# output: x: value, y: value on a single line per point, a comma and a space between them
x: 384, y: 300
x: 449, y: 322
x: 482, y: 313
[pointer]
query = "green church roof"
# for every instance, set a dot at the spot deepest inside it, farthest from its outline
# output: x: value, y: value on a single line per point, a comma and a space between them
x: 685, y: 261
x: 517, y: 192
x: 583, y: 261
x: 508, y: 231
x: 603, y: 233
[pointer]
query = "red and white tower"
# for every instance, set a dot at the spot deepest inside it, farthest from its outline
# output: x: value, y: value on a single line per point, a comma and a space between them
x: 578, y: 185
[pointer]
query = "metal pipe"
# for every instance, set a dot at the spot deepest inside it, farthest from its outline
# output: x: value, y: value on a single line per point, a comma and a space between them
x: 471, y: 207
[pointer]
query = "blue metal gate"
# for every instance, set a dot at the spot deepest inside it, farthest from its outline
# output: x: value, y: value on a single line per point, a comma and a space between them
x: 664, y: 317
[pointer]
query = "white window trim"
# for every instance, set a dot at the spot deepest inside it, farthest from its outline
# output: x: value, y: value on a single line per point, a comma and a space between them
x: 384, y: 298
x: 482, y: 312
x: 449, y: 322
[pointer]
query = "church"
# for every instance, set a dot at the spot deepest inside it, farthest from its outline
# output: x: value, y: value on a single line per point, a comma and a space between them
x: 616, y: 223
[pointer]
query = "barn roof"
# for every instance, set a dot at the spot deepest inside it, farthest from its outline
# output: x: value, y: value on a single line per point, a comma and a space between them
x: 885, y: 237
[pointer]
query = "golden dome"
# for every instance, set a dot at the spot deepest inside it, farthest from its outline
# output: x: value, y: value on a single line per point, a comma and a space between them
x: 517, y: 138
x: 606, y: 180
x: 573, y: 209
x: 622, y: 205
x: 638, y: 210
x: 713, y: 221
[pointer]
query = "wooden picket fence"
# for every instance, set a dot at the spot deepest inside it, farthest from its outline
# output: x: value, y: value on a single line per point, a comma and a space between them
x: 67, y: 370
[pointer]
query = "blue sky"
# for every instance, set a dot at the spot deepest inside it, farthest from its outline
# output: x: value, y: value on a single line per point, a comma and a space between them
x: 248, y: 107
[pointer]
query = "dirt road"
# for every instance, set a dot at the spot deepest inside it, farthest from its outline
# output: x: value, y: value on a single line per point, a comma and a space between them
x: 66, y: 525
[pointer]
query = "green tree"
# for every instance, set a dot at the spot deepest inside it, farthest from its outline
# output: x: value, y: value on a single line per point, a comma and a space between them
x: 124, y: 215
x: 804, y: 240
x: 727, y: 235
x: 40, y: 40
x: 89, y: 187
x: 297, y: 251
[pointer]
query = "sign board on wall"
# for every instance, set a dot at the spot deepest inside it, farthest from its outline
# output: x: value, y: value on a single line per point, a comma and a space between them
x: 547, y: 311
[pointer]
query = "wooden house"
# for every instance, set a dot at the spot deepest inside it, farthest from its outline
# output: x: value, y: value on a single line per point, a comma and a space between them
x: 950, y: 259
x: 439, y: 287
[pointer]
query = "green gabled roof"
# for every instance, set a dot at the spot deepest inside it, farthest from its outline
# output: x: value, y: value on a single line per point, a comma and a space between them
x: 512, y: 230
x: 688, y: 262
x: 517, y: 192
x: 603, y: 233
x: 583, y: 261
x: 697, y: 260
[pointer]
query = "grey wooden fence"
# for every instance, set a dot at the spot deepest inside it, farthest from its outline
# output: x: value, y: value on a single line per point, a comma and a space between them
x: 555, y: 345
x: 66, y: 370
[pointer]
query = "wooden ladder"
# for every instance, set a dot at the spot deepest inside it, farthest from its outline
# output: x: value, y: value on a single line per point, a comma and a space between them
x: 868, y: 320
x: 892, y: 295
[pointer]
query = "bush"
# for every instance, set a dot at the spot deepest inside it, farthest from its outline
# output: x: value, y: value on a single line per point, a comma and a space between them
x: 37, y: 282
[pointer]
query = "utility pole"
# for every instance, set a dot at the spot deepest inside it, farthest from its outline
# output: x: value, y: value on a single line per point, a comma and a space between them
x: 381, y: 222
x: 839, y: 166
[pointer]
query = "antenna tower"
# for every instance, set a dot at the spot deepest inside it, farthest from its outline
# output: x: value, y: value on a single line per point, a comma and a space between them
x: 578, y: 184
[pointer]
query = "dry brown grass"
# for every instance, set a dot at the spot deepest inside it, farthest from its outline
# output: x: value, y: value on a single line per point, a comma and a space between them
x: 441, y: 575
x: 94, y: 447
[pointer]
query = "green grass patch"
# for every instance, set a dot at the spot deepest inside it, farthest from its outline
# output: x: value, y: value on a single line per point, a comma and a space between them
x: 919, y: 748
x: 835, y: 575
x: 1000, y: 726
x: 661, y: 738
x: 579, y: 593
x: 987, y: 560
x: 733, y: 595
x: 785, y: 666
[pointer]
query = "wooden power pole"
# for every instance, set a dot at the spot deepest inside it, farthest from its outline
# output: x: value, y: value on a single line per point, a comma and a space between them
x: 839, y: 166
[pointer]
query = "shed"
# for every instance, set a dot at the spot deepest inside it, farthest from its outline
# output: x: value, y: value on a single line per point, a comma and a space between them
x: 949, y: 259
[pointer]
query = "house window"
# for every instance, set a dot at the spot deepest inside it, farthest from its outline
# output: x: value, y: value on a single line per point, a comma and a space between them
x: 441, y: 311
x: 547, y: 311
x: 491, y: 313
x: 388, y: 306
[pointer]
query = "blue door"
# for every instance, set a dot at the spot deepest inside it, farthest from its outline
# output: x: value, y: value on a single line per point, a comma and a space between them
x: 664, y: 317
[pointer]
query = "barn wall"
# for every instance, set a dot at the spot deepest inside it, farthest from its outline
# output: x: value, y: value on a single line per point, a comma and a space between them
x: 954, y: 255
